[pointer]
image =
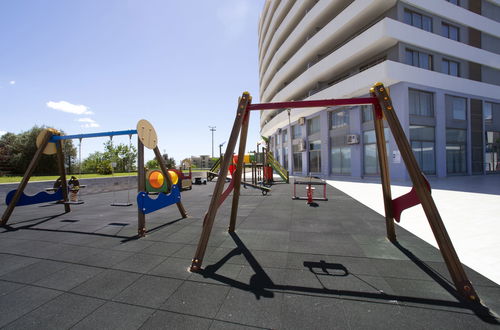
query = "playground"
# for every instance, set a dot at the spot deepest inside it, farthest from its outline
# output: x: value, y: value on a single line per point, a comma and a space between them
x: 287, y: 266
x: 280, y: 257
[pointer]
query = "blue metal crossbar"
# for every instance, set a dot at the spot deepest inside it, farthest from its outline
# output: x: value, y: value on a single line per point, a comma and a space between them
x: 91, y: 135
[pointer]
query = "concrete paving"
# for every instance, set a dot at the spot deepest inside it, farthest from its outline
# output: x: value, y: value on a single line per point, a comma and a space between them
x: 469, y: 207
x: 288, y: 266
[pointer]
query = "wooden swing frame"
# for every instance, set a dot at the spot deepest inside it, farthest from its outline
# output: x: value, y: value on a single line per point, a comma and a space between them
x: 382, y: 108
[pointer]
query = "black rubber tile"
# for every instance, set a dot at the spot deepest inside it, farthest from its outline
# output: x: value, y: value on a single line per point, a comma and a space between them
x: 62, y: 312
x: 34, y: 272
x: 140, y: 263
x: 163, y: 249
x: 200, y: 299
x: 106, y: 258
x: 72, y: 253
x: 107, y: 284
x: 149, y: 291
x: 135, y: 245
x: 19, y: 302
x: 214, y: 273
x: 11, y: 263
x: 8, y: 287
x: 114, y: 315
x: 172, y: 267
x: 420, y: 289
x: 243, y: 307
x: 312, y: 312
x: 433, y: 316
x: 69, y: 277
x: 168, y: 320
x: 382, y: 250
x: 380, y: 315
x: 325, y: 247
x: 222, y: 325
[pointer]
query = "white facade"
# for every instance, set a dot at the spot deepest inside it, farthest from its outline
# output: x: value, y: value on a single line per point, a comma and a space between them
x: 441, y: 60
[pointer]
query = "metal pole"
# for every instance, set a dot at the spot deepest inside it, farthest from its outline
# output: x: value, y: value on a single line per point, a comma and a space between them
x: 212, y: 129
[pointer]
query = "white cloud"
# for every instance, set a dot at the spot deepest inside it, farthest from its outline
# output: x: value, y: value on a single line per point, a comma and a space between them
x: 86, y: 120
x: 77, y: 109
x: 2, y: 133
x: 90, y: 125
x: 234, y: 15
x: 12, y: 82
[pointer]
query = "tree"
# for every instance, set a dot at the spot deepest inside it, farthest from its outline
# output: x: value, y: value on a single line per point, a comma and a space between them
x: 100, y: 162
x: 152, y: 164
x: 123, y: 155
x: 18, y: 151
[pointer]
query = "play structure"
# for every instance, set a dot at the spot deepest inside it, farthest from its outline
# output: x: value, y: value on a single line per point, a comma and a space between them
x: 248, y: 162
x: 420, y: 194
x: 49, y: 142
x: 271, y: 165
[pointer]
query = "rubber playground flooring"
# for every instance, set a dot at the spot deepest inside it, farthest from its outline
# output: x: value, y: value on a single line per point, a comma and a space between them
x: 287, y: 266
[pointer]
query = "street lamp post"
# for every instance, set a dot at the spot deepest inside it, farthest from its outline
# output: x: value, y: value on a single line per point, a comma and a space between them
x: 220, y: 148
x: 212, y: 129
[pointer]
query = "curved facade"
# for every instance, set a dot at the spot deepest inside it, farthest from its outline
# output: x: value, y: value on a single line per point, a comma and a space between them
x: 441, y: 60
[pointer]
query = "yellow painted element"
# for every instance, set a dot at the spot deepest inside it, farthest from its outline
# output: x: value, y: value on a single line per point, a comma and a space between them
x: 156, y: 179
x: 378, y: 84
x: 173, y: 177
x: 51, y: 148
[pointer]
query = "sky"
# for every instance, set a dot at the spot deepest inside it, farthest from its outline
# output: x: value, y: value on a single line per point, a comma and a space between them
x: 85, y: 66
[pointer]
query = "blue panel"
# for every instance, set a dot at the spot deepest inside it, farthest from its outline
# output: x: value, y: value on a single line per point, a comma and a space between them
x: 41, y: 197
x: 146, y: 204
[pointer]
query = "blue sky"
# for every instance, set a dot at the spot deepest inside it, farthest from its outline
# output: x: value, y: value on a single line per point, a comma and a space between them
x: 101, y: 65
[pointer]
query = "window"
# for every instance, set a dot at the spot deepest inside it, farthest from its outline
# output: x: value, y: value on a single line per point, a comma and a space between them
x: 456, y: 151
x: 278, y: 139
x: 458, y: 107
x: 315, y: 156
x: 419, y: 59
x: 422, y: 144
x: 421, y: 103
x: 370, y: 155
x: 339, y: 118
x: 487, y: 112
x: 418, y: 20
x: 492, y: 158
x: 296, y: 132
x: 449, y: 31
x: 285, y: 136
x: 450, y: 67
x: 490, y: 110
x: 367, y: 113
x: 455, y: 2
x: 313, y: 125
x: 341, y: 160
x: 297, y: 158
x: 285, y: 157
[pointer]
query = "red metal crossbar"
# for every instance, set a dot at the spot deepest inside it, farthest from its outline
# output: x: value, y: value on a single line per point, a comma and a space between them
x: 312, y: 103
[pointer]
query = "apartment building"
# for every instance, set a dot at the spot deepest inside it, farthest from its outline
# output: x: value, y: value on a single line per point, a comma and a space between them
x: 440, y: 59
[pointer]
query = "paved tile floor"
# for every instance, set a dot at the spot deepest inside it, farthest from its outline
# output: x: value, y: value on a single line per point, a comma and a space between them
x: 288, y: 266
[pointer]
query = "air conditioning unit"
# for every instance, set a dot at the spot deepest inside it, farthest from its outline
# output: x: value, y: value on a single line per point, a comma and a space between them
x: 302, y: 145
x: 302, y: 120
x: 352, y: 139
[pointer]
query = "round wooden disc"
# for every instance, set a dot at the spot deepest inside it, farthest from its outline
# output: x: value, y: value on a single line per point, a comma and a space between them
x: 147, y: 134
x: 51, y: 148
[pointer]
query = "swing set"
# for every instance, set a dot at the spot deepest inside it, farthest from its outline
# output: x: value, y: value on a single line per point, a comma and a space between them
x: 49, y: 142
x: 420, y: 194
